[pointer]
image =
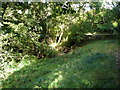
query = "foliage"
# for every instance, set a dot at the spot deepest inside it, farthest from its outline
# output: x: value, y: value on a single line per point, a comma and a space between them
x: 59, y: 21
x: 33, y: 31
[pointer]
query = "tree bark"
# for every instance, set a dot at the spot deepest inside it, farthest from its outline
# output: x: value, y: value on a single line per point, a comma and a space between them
x: 60, y: 37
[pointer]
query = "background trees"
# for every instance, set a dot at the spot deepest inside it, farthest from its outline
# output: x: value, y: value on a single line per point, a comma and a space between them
x: 36, y: 28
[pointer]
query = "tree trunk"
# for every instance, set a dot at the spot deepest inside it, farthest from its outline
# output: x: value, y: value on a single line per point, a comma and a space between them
x: 60, y: 37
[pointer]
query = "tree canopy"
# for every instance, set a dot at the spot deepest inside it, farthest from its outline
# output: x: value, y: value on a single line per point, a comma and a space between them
x: 36, y: 28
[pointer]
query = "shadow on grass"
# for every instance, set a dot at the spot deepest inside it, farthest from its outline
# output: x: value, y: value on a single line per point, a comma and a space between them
x: 99, y: 72
x: 92, y: 38
x: 95, y: 70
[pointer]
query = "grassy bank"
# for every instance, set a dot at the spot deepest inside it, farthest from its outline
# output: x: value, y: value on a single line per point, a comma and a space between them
x: 89, y: 66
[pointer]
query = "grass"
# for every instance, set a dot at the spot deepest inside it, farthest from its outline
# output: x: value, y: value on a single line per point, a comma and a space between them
x: 90, y: 66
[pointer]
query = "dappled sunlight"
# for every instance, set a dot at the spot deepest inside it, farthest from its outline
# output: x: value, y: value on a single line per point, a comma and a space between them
x: 86, y: 82
x: 53, y: 45
x: 115, y: 24
x: 90, y: 33
x: 53, y: 84
x: 12, y: 67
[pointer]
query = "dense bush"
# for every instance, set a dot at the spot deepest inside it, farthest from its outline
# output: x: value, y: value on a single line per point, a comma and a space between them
x: 21, y: 41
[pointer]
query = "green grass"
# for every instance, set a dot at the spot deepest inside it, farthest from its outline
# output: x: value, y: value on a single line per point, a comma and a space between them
x: 89, y: 66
